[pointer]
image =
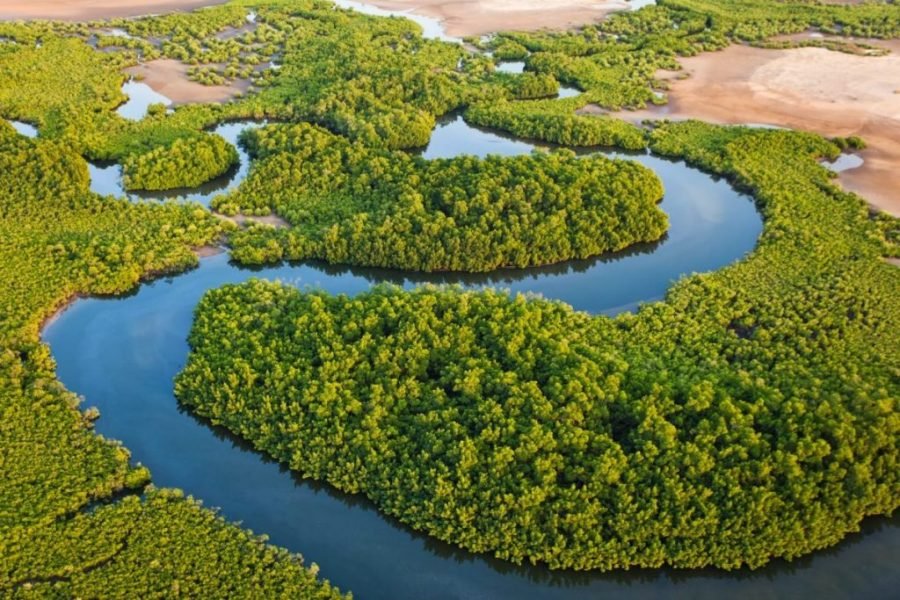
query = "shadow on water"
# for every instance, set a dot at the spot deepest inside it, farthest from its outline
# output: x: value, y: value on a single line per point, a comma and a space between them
x: 537, y: 573
x: 123, y: 353
x: 106, y: 177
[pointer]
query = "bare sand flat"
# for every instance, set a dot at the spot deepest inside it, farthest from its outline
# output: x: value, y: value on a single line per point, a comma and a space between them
x: 477, y: 17
x: 243, y: 220
x: 206, y: 251
x: 169, y: 78
x: 461, y: 17
x: 87, y: 10
x: 813, y: 89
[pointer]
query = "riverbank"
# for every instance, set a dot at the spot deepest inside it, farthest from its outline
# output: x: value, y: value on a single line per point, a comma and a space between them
x: 88, y: 10
x: 831, y: 93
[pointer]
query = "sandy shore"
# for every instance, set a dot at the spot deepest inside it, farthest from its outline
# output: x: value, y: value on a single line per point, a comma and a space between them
x: 477, y: 17
x: 169, y: 78
x: 813, y: 89
x: 87, y: 10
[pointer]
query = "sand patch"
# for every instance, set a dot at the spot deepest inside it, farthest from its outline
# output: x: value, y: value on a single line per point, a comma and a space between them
x: 243, y: 220
x: 477, y: 17
x: 813, y: 89
x: 88, y: 10
x: 169, y: 78
x: 207, y: 251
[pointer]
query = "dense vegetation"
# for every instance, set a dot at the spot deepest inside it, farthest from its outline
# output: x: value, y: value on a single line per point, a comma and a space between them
x: 184, y: 163
x: 554, y: 121
x: 752, y: 415
x: 350, y: 203
x: 58, y: 240
x: 615, y: 62
x: 754, y: 411
x: 377, y: 80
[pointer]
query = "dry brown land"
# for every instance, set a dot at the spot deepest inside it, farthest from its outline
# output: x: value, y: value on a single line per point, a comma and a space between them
x: 242, y: 220
x: 461, y: 17
x: 813, y: 89
x: 477, y: 17
x: 169, y: 78
x: 207, y: 251
x: 87, y: 10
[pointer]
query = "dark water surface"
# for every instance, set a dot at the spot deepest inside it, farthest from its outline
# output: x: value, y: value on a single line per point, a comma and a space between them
x: 123, y: 353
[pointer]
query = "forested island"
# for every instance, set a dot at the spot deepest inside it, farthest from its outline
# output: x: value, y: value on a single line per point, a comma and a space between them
x: 750, y: 415
x: 374, y: 207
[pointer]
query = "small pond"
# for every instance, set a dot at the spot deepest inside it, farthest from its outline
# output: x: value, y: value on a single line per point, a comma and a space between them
x: 25, y: 129
x: 140, y: 97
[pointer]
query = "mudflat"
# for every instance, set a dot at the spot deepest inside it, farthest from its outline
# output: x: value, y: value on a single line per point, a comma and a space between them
x: 87, y: 10
x: 477, y: 17
x: 169, y: 78
x: 813, y: 89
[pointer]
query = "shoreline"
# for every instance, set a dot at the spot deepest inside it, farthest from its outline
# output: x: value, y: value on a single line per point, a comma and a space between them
x: 201, y: 252
x: 799, y: 89
x: 169, y: 77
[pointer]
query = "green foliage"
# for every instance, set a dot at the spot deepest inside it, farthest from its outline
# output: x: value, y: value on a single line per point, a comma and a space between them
x: 57, y: 240
x: 34, y: 88
x: 532, y: 85
x: 555, y: 122
x: 758, y: 19
x: 350, y: 203
x: 510, y: 50
x: 753, y: 414
x: 185, y: 163
x: 162, y: 546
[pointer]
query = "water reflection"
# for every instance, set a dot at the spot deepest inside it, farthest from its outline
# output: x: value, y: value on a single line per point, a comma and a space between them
x: 106, y: 178
x: 123, y: 353
x: 432, y: 29
x: 511, y: 66
x: 25, y: 129
x: 140, y: 97
x: 845, y: 162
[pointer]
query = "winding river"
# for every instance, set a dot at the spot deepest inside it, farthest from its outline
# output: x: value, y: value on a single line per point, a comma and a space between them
x: 122, y: 354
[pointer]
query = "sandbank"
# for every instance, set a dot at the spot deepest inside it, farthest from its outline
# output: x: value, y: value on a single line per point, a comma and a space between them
x: 169, y: 78
x: 812, y: 89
